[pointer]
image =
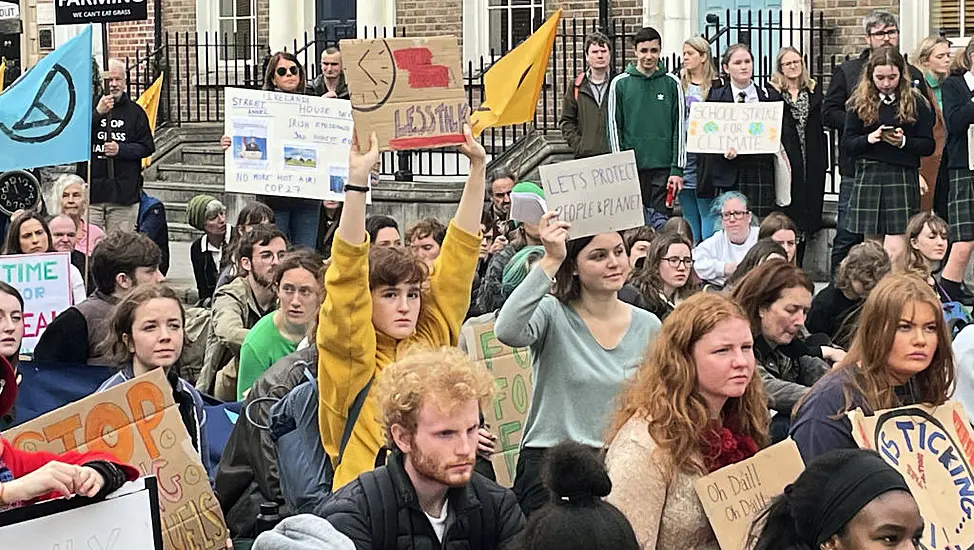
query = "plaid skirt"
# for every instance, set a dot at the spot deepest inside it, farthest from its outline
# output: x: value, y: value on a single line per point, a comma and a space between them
x: 960, y: 205
x: 755, y: 180
x: 884, y: 198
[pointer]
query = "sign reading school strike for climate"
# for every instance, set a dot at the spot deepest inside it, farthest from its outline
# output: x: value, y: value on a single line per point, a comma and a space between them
x: 750, y: 128
x: 409, y: 91
x: 44, y: 282
x: 139, y: 424
x: 734, y: 495
x: 595, y: 194
x: 73, y: 12
x: 511, y: 368
x: 934, y: 450
x: 289, y: 145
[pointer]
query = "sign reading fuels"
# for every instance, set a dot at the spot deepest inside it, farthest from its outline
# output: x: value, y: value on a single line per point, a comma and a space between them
x: 75, y: 12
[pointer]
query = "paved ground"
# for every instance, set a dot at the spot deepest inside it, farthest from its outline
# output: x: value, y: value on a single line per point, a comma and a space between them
x: 180, y: 275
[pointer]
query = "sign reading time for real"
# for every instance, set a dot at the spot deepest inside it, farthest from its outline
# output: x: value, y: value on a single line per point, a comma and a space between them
x: 74, y: 12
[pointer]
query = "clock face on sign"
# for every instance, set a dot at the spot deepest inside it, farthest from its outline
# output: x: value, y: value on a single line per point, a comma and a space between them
x: 19, y: 190
x: 375, y: 71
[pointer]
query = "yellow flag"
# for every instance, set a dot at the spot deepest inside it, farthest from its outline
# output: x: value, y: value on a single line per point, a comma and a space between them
x: 149, y: 101
x: 512, y: 84
x: 3, y: 70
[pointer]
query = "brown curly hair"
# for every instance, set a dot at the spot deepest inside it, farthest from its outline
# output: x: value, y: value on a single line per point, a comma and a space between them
x: 664, y: 391
x: 647, y: 280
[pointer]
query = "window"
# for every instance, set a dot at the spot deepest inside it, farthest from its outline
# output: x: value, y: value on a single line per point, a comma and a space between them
x: 237, y: 21
x: 512, y: 21
x: 953, y: 18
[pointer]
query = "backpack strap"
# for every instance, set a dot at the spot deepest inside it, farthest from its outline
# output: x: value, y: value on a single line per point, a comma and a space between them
x: 353, y: 413
x: 380, y: 495
x: 578, y: 83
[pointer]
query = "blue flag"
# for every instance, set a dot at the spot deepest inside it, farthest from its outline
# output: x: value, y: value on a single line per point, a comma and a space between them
x: 45, y: 116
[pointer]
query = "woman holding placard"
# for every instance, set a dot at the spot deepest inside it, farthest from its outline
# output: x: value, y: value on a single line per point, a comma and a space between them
x: 585, y: 343
x: 695, y: 406
x: 888, y: 128
x: 29, y: 234
x: 900, y: 355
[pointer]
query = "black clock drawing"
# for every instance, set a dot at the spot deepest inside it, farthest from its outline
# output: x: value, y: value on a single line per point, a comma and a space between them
x: 19, y: 190
x: 377, y: 69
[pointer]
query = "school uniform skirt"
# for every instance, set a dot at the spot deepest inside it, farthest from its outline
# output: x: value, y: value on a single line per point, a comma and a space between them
x: 884, y: 198
x: 755, y: 180
x: 960, y: 205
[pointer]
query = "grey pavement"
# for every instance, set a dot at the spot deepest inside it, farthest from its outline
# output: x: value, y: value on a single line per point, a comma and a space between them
x: 180, y: 276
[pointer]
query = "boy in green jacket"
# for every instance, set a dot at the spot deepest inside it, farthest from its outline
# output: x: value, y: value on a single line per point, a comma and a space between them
x: 646, y: 115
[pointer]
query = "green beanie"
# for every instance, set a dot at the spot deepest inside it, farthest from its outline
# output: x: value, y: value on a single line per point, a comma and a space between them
x: 196, y: 210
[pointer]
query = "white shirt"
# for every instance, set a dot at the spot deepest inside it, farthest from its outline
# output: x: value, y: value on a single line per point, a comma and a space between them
x: 969, y: 79
x: 751, y: 92
x: 78, y: 293
x: 217, y: 253
x: 710, y: 256
x: 439, y: 524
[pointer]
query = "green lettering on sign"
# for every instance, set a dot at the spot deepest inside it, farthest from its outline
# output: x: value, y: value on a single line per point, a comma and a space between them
x: 499, y: 396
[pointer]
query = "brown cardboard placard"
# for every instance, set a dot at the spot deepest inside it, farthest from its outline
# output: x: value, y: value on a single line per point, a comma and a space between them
x: 409, y: 91
x: 933, y: 447
x: 513, y: 381
x: 734, y: 495
x: 139, y: 423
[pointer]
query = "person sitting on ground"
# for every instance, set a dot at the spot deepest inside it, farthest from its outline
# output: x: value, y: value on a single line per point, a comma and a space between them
x: 375, y: 307
x: 429, y: 405
x: 763, y: 250
x: 205, y: 213
x: 425, y: 238
x: 153, y: 224
x: 848, y: 498
x: 678, y: 225
x: 298, y: 281
x: 514, y: 274
x: 926, y: 246
x: 667, y: 277
x: 29, y: 234
x: 251, y: 215
x: 717, y: 257
x: 638, y: 241
x: 579, y: 518
x: 780, y: 229
x: 119, y: 263
x: 64, y: 238
x: 383, y: 231
x: 237, y: 306
x: 835, y: 309
x: 69, y: 198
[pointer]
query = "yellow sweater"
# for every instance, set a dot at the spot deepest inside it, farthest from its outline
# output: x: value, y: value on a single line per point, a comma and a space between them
x: 351, y: 352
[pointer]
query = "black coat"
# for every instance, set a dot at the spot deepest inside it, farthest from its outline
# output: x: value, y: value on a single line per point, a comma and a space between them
x: 205, y: 269
x: 808, y: 181
x: 129, y: 127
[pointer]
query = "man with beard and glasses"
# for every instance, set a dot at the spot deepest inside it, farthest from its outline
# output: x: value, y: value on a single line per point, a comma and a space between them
x: 238, y: 305
x: 428, y: 495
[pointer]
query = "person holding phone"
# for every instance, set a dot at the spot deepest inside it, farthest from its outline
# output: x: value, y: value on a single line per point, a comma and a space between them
x: 889, y: 127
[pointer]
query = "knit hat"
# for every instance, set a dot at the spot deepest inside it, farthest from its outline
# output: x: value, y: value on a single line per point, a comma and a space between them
x: 303, y: 532
x: 8, y: 386
x: 517, y: 269
x: 197, y: 208
x: 527, y: 203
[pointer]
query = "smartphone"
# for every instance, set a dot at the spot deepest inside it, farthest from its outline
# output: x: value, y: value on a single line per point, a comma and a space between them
x: 887, y: 130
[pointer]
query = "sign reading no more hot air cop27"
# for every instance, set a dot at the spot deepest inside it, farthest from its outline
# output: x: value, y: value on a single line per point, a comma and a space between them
x: 750, y: 128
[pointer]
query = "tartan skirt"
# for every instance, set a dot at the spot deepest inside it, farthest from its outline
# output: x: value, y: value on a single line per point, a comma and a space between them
x: 960, y: 205
x: 755, y: 180
x: 884, y: 198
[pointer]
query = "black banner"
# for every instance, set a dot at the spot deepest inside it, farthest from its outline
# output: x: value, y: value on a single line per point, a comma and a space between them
x: 74, y: 12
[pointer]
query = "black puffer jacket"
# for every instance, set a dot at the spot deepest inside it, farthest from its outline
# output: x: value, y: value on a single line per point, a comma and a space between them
x: 483, y: 515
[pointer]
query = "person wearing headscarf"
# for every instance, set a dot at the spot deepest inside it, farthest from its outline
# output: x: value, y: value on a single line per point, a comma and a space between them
x: 209, y: 215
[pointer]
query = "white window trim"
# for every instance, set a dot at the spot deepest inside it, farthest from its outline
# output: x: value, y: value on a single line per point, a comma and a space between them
x: 476, y: 28
x: 208, y: 22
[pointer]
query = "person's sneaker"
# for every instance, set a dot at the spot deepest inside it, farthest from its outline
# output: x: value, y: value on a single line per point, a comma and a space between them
x: 958, y: 291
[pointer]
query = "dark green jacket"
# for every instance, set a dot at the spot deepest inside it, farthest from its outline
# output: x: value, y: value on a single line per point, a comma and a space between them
x: 583, y: 120
x: 646, y: 115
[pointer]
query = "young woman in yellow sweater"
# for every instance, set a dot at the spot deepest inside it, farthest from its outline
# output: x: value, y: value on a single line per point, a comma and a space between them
x: 379, y: 304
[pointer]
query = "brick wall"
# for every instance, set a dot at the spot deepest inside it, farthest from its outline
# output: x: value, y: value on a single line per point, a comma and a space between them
x: 845, y: 16
x: 129, y: 37
x: 429, y: 17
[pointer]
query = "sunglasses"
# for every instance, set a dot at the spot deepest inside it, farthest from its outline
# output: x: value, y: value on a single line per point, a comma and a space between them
x: 282, y: 71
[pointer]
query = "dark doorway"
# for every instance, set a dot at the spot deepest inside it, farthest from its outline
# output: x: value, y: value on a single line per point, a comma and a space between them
x: 334, y: 20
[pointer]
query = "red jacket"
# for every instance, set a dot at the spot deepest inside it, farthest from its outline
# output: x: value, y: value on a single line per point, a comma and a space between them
x: 21, y: 463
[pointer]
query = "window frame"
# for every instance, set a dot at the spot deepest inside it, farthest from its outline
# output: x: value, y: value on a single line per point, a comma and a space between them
x: 208, y: 20
x: 476, y: 27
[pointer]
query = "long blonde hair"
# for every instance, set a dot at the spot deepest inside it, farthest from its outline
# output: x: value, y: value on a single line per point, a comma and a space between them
x: 702, y: 47
x: 962, y: 61
x: 922, y: 54
x: 778, y: 80
x: 665, y: 393
x: 864, y: 101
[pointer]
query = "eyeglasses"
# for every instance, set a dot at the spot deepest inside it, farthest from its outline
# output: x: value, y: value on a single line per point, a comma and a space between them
x: 734, y: 214
x: 890, y: 33
x: 293, y: 69
x: 676, y: 261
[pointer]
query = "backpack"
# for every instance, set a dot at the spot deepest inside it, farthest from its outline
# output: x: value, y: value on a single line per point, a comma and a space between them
x: 305, y: 470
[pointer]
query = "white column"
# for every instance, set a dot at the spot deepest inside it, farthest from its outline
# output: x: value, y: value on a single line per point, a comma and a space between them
x: 674, y: 21
x: 374, y: 13
x: 795, y: 38
x: 476, y: 26
x: 288, y: 21
x: 914, y: 22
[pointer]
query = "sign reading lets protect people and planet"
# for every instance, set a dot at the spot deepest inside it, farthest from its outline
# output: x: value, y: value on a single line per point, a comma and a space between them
x: 595, y: 194
x: 750, y: 128
x: 44, y: 282
x: 288, y: 145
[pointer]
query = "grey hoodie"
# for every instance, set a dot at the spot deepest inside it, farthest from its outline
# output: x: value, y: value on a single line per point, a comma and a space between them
x: 303, y: 532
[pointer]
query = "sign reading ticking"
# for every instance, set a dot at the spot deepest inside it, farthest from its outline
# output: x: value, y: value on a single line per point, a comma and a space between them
x: 74, y: 12
x: 750, y: 128
x: 595, y: 194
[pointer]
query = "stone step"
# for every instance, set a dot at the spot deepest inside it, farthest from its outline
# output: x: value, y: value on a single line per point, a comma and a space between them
x: 208, y: 155
x: 177, y: 191
x: 180, y: 231
x: 191, y: 173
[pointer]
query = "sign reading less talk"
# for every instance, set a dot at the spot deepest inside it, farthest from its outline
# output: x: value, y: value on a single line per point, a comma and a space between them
x: 409, y: 91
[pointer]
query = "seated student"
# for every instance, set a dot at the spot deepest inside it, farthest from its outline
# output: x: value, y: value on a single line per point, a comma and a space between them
x: 383, y: 231
x: 667, y: 278
x: 122, y: 261
x: 29, y: 234
x: 250, y: 216
x: 900, y: 356
x: 147, y: 334
x: 717, y: 257
x: 429, y: 405
x: 845, y: 499
x: 638, y: 241
x: 208, y: 215
x: 926, y: 246
x: 578, y: 518
x: 425, y: 238
x: 152, y: 223
x: 835, y: 309
x: 763, y: 250
x: 374, y: 308
x: 298, y: 280
x: 780, y: 229
x: 64, y: 238
x: 237, y: 306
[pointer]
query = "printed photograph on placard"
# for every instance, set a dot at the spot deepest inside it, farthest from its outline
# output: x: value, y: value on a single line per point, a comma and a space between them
x: 249, y: 144
x: 337, y: 178
x: 250, y: 148
x: 300, y: 158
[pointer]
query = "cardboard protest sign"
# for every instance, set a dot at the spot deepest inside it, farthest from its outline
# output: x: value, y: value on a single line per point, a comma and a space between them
x: 596, y: 194
x: 288, y: 145
x: 128, y: 518
x: 409, y: 91
x: 751, y: 128
x: 933, y: 447
x: 511, y: 368
x: 44, y: 282
x: 139, y: 423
